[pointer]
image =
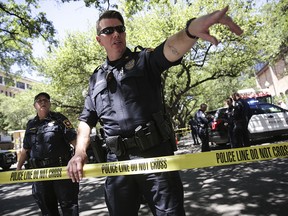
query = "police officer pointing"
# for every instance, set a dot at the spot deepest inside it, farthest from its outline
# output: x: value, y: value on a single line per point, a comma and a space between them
x: 125, y: 94
x: 47, y: 144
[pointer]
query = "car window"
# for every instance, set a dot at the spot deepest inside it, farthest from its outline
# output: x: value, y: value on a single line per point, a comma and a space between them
x: 220, y: 113
x: 255, y: 111
x: 269, y: 108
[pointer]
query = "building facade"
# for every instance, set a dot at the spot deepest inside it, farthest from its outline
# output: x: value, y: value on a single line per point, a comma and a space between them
x: 11, y: 86
x: 274, y: 78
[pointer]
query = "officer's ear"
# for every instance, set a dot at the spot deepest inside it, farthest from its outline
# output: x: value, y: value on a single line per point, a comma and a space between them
x: 98, y: 39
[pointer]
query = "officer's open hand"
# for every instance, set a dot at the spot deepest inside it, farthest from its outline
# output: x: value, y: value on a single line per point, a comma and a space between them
x: 200, y: 26
x: 75, y: 166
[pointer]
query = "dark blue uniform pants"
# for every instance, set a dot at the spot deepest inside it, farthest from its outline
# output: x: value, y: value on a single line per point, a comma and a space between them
x: 47, y: 194
x: 162, y: 191
x: 204, y: 136
x: 241, y: 134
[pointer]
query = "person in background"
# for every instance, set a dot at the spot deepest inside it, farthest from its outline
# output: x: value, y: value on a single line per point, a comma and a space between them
x: 282, y: 104
x: 241, y: 116
x: 125, y: 93
x: 47, y: 144
x: 203, y: 121
x: 193, y: 127
x: 229, y: 121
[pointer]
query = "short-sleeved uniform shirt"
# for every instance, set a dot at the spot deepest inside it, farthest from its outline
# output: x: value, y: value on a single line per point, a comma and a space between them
x: 49, y: 138
x: 124, y: 94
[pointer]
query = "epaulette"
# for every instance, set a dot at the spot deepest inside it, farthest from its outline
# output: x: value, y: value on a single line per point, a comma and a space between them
x: 61, y: 119
x: 96, y: 69
x: 138, y: 47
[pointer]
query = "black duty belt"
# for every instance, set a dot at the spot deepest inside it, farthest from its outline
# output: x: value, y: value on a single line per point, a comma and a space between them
x: 129, y: 142
x: 144, y: 139
x: 46, y: 162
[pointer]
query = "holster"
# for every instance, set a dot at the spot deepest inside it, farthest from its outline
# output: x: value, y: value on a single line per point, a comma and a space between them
x: 98, y: 149
x: 116, y: 145
x: 145, y: 137
x: 165, y: 128
x: 32, y: 163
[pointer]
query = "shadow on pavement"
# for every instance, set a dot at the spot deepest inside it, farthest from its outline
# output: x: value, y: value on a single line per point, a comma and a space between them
x: 258, y: 188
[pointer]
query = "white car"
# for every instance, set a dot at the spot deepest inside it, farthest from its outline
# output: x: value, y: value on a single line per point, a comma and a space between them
x: 267, y: 120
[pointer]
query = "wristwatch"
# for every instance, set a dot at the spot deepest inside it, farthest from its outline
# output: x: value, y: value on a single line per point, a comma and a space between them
x: 187, y: 31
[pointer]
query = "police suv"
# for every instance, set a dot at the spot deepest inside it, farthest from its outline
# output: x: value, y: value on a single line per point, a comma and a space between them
x: 267, y: 120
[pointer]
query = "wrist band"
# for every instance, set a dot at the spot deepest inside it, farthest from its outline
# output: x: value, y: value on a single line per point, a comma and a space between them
x: 187, y: 31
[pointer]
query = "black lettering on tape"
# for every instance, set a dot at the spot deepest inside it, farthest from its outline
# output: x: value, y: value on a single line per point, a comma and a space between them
x: 254, y: 154
x: 124, y: 168
x: 55, y: 173
x: 265, y: 152
x: 109, y: 168
x: 158, y: 164
x: 134, y: 167
x: 225, y: 157
x: 242, y: 155
x: 35, y: 174
x: 143, y: 166
x: 17, y: 176
x: 280, y: 151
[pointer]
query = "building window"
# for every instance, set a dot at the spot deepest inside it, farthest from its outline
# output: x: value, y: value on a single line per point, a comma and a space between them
x: 20, y: 85
x: 1, y: 80
x: 28, y: 86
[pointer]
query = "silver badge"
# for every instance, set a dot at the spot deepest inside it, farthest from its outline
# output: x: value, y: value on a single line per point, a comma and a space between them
x: 130, y: 64
x: 50, y: 124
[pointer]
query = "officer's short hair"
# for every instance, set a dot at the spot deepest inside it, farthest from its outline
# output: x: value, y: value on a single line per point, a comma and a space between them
x: 236, y: 94
x: 229, y: 99
x: 203, y: 105
x: 46, y: 95
x: 109, y: 14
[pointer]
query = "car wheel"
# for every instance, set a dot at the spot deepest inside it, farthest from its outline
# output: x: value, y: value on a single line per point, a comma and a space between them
x: 6, y: 167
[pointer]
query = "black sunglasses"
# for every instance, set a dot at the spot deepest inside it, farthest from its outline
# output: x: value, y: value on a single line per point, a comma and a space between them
x: 111, y: 29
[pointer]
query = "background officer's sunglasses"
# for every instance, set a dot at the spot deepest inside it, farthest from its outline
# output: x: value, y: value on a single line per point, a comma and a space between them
x: 111, y: 29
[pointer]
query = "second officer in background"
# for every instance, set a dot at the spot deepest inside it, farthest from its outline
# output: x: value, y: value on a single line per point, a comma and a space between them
x: 47, y: 144
x: 203, y: 121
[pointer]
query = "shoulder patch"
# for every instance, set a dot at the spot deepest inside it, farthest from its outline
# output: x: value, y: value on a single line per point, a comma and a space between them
x: 67, y: 124
x: 129, y: 65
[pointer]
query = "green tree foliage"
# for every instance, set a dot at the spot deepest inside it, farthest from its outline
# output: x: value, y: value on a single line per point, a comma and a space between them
x: 69, y: 68
x: 185, y: 85
x: 16, y: 111
x: 275, y: 27
x: 207, y: 74
x: 18, y: 28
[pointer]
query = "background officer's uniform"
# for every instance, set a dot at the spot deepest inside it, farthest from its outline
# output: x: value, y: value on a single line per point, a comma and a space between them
x: 202, y: 123
x: 241, y: 116
x: 48, y: 141
x: 125, y: 94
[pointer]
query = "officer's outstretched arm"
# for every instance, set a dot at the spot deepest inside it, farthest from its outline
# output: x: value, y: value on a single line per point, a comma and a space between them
x: 178, y: 44
x: 75, y: 165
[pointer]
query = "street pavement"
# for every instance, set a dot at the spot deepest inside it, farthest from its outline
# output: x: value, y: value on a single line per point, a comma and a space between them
x: 258, y: 188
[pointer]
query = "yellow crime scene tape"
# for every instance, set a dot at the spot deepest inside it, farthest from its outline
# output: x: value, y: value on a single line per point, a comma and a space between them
x: 153, y: 165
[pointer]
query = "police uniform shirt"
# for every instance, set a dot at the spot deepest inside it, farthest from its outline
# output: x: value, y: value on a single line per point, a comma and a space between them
x: 201, y: 118
x: 49, y: 138
x: 124, y: 94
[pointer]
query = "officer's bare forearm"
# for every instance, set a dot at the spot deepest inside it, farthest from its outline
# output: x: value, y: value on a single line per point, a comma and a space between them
x: 23, y: 157
x: 83, y: 138
x: 180, y: 43
x: 177, y: 45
